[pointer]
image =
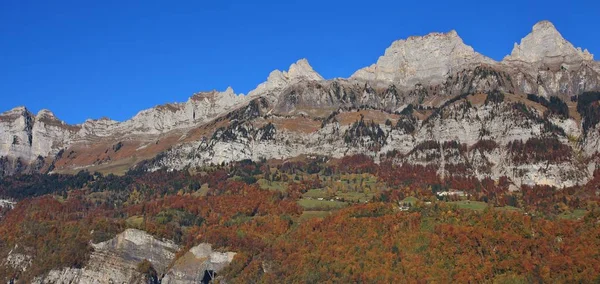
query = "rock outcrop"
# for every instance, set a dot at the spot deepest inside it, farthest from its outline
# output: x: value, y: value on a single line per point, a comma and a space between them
x: 467, y: 122
x: 26, y: 140
x: 278, y: 80
x: 546, y: 64
x: 426, y: 60
x: 118, y: 261
x: 198, y: 262
x: 545, y: 45
x: 27, y: 136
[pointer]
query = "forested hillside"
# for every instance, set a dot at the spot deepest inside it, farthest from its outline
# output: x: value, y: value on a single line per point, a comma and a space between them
x: 313, y: 219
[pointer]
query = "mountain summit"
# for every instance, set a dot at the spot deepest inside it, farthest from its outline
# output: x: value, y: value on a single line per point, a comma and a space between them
x: 545, y: 44
x: 422, y: 59
x: 277, y: 80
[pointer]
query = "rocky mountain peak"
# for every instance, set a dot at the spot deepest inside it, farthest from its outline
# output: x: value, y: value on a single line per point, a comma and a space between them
x: 229, y: 91
x: 452, y: 35
x: 277, y: 80
x: 422, y: 59
x: 544, y: 26
x: 47, y: 114
x: 20, y: 110
x: 302, y: 70
x: 105, y: 118
x: 545, y: 44
x: 297, y: 71
x: 48, y: 118
x: 213, y: 95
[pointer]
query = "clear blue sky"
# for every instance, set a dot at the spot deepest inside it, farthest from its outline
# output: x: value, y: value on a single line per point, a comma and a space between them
x: 88, y: 59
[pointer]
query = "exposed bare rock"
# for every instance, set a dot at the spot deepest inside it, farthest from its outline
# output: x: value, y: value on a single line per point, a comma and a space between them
x: 92, y: 129
x: 201, y: 107
x: 466, y: 121
x: 546, y: 64
x: 547, y: 46
x: 18, y: 259
x: 117, y: 260
x: 295, y: 112
x: 426, y: 60
x: 26, y: 136
x: 196, y: 263
x: 278, y: 80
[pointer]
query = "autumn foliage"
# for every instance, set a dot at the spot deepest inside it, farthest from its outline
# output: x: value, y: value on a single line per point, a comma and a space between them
x: 57, y: 218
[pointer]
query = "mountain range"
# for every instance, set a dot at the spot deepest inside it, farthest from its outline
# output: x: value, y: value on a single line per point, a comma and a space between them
x: 428, y: 100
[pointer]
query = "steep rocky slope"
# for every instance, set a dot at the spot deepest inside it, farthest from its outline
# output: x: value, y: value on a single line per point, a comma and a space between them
x: 120, y: 260
x: 545, y: 63
x: 428, y: 100
x: 426, y: 60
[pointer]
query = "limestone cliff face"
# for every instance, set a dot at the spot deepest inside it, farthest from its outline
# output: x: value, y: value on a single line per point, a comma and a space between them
x: 545, y: 45
x: 545, y: 63
x: 192, y: 266
x: 27, y: 139
x: 298, y: 112
x: 201, y: 107
x: 117, y: 260
x: 28, y: 136
x: 426, y: 60
x: 301, y: 71
x: 24, y: 137
x: 468, y: 122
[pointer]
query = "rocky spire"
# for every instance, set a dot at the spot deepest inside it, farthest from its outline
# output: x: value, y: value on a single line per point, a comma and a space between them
x: 277, y: 80
x: 302, y: 70
x: 48, y: 118
x: 422, y: 59
x: 17, y: 111
x: 46, y: 114
x: 545, y: 44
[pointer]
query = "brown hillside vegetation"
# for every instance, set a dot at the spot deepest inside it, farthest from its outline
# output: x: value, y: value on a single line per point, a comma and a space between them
x: 380, y: 223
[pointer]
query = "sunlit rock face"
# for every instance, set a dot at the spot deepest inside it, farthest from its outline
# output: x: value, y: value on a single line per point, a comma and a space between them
x: 546, y: 45
x: 545, y: 63
x: 117, y: 261
x: 193, y: 265
x: 27, y: 136
x: 298, y: 112
x: 426, y: 60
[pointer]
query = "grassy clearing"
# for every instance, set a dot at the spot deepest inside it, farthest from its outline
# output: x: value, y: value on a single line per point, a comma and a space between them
x: 368, y: 180
x: 575, y: 215
x: 346, y: 196
x: 509, y: 208
x: 135, y: 221
x: 355, y: 196
x: 320, y: 205
x: 466, y: 204
x: 315, y: 193
x: 307, y: 215
x: 274, y: 185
